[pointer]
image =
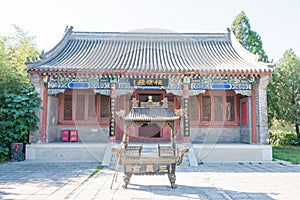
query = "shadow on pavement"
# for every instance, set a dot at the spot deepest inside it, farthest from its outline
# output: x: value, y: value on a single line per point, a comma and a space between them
x: 276, y: 167
x: 192, y: 192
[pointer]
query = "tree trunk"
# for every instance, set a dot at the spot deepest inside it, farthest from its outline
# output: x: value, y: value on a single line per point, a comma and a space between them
x: 297, y: 131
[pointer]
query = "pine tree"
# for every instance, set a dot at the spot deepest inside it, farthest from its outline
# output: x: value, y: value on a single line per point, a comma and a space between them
x: 247, y: 37
x: 284, y: 90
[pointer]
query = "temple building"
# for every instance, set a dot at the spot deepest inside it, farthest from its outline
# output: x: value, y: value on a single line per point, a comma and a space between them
x: 205, y: 87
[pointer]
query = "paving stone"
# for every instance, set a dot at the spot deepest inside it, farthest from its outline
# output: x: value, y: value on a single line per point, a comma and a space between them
x: 207, y: 181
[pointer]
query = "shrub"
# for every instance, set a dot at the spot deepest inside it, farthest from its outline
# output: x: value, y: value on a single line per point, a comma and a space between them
x: 283, y: 138
x: 17, y: 117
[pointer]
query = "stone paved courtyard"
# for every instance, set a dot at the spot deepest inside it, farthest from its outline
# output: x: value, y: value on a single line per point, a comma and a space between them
x: 26, y: 180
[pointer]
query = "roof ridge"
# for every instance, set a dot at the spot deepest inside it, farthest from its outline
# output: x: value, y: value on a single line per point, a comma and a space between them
x: 150, y: 36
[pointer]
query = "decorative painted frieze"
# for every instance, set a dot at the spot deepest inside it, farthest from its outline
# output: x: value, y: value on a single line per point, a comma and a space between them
x: 55, y: 92
x: 222, y: 83
x: 68, y: 81
x: 244, y: 92
x: 124, y: 84
x: 126, y: 91
x: 104, y: 92
x: 175, y: 83
x: 196, y: 92
x: 175, y: 92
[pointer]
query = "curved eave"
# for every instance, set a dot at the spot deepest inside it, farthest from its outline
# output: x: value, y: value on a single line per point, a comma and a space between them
x: 253, y: 59
x: 133, y: 74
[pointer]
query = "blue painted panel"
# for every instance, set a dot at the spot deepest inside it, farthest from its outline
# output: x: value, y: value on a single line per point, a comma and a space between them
x: 149, y: 87
x: 79, y: 85
x: 221, y: 86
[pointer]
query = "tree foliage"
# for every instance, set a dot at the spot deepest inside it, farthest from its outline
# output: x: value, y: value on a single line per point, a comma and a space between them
x: 18, y: 99
x: 18, y: 116
x: 250, y: 39
x: 284, y: 90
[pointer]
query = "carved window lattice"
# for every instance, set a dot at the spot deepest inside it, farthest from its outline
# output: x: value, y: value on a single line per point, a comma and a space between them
x: 218, y: 108
x: 92, y: 109
x: 230, y: 111
x: 194, y: 108
x: 80, y: 107
x: 68, y: 111
x: 206, y: 107
x: 104, y: 107
x: 84, y: 106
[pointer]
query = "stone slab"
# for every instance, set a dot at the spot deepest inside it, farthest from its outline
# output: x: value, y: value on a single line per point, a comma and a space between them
x: 65, y: 152
x: 73, y: 181
x: 233, y: 152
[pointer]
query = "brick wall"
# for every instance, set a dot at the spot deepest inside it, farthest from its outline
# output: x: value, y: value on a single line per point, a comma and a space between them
x: 215, y: 135
x: 261, y: 109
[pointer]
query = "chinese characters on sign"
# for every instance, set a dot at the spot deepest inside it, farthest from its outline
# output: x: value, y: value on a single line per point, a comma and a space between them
x: 148, y: 168
x: 112, y: 117
x: 186, y: 118
x: 136, y: 82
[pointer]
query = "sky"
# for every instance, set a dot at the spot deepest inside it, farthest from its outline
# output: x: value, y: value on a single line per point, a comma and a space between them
x: 276, y: 21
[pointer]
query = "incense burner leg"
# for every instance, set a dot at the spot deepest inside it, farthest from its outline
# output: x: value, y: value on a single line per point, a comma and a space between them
x: 126, y: 179
x: 172, y: 178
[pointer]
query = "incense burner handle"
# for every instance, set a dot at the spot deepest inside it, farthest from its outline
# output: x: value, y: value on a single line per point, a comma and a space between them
x: 181, y: 154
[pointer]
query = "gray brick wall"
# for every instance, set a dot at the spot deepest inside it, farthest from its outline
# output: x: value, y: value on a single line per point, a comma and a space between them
x: 215, y: 135
x: 35, y: 136
x: 245, y: 135
x: 261, y: 109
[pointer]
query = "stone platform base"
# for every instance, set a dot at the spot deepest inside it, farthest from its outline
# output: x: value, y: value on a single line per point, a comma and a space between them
x: 95, y: 152
x: 65, y: 152
x: 232, y: 152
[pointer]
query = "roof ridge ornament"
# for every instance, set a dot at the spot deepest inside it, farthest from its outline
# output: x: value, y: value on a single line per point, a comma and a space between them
x: 42, y: 55
x: 68, y: 29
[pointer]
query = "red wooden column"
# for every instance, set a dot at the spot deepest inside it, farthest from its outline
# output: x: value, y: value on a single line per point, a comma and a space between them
x: 186, y: 114
x: 253, y: 116
x: 112, y: 119
x: 44, y: 117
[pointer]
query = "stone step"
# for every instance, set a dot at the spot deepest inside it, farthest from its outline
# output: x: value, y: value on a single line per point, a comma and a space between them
x: 192, y: 157
x: 107, y: 158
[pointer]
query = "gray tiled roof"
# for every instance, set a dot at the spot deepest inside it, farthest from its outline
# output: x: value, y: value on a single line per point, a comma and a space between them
x: 151, y: 113
x: 149, y: 52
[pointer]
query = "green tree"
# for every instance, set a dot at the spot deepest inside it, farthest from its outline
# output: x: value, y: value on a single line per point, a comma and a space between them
x: 250, y: 39
x: 284, y: 89
x: 18, y: 99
